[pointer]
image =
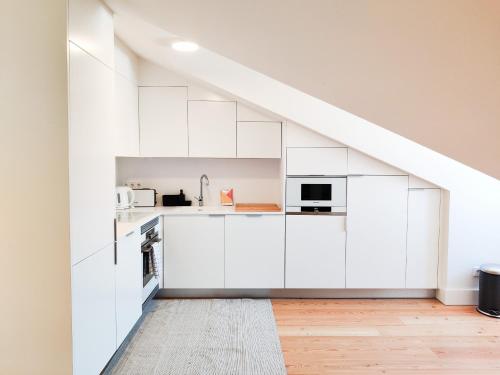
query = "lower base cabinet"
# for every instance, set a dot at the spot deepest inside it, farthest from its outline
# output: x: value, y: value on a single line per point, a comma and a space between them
x: 315, y: 251
x: 423, y: 238
x: 128, y: 284
x: 377, y: 208
x: 255, y: 251
x: 94, y: 324
x: 194, y: 251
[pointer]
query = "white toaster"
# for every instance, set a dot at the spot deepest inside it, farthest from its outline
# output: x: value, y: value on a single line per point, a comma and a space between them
x: 145, y: 197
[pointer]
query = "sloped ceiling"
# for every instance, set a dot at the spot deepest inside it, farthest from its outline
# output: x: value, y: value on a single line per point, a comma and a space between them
x: 428, y: 70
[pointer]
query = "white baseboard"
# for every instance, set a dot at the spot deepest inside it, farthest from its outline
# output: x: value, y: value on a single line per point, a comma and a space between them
x: 457, y: 296
x: 296, y: 293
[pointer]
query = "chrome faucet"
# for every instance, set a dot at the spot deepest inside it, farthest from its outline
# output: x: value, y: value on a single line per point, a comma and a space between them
x: 200, y: 198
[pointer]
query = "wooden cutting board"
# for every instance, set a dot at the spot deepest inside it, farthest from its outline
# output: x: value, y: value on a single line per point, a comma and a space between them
x: 254, y: 207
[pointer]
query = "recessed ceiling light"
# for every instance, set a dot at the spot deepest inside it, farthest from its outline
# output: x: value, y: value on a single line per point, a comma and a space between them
x: 185, y: 46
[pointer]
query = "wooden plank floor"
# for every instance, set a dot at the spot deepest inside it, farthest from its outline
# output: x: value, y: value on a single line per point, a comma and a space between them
x: 415, y: 336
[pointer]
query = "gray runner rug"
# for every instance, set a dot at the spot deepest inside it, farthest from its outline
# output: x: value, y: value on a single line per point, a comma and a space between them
x: 210, y: 336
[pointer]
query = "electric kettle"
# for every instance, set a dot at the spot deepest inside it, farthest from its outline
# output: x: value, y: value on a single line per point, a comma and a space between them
x: 125, y: 197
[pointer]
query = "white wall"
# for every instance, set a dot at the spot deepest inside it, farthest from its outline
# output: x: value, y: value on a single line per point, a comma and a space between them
x: 253, y: 180
x: 474, y: 221
x: 35, y: 319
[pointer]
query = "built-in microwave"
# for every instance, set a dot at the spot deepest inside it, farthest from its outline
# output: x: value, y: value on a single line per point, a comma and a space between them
x: 318, y: 192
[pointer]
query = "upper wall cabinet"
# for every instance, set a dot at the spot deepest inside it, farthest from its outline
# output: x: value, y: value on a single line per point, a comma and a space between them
x: 212, y: 129
x: 163, y: 121
x: 151, y: 74
x: 418, y: 183
x: 259, y: 139
x: 320, y: 161
x: 91, y: 162
x: 91, y: 28
x: 248, y: 114
x: 201, y: 93
x: 298, y: 136
x: 362, y: 164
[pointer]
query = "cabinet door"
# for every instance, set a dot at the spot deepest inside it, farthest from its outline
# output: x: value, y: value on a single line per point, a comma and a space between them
x: 324, y: 161
x: 212, y: 129
x: 128, y: 284
x: 299, y: 136
x: 91, y: 155
x: 194, y: 251
x: 259, y: 140
x: 94, y: 324
x: 376, y: 231
x: 315, y: 251
x: 360, y: 163
x: 255, y: 251
x: 90, y: 26
x: 163, y: 121
x: 126, y: 117
x: 423, y: 238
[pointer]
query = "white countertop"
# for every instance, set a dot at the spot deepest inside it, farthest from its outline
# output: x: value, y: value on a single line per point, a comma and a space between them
x: 130, y: 219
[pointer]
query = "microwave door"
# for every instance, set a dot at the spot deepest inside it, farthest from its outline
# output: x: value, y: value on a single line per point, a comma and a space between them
x: 316, y: 192
x: 307, y: 192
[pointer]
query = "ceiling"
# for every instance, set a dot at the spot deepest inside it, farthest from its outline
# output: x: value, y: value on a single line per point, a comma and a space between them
x: 428, y: 70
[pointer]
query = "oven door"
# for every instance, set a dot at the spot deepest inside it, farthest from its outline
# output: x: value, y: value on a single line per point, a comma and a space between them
x: 316, y: 191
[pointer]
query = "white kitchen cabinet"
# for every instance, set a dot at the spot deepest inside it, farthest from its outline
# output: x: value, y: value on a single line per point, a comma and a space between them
x: 194, y: 251
x: 126, y: 117
x: 91, y: 154
x: 128, y: 284
x: 315, y: 251
x: 423, y: 238
x: 94, y: 324
x: 255, y: 251
x: 376, y: 231
x: 259, y: 139
x: 212, y: 129
x: 299, y: 136
x: 163, y: 121
x: 418, y: 183
x: 362, y: 164
x: 324, y: 161
x: 245, y: 113
x: 202, y: 93
x: 90, y: 26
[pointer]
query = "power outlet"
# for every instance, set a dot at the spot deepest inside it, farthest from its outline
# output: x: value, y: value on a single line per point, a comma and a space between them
x: 134, y: 184
x: 475, y: 271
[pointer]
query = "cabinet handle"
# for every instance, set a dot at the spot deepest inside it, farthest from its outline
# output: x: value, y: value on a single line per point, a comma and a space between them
x: 115, y: 257
x: 129, y: 234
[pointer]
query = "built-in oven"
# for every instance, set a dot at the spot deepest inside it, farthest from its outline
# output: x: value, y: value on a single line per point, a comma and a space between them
x: 316, y: 193
x: 152, y: 258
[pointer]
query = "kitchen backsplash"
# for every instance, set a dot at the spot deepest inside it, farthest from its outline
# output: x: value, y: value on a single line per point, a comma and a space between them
x: 253, y: 180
